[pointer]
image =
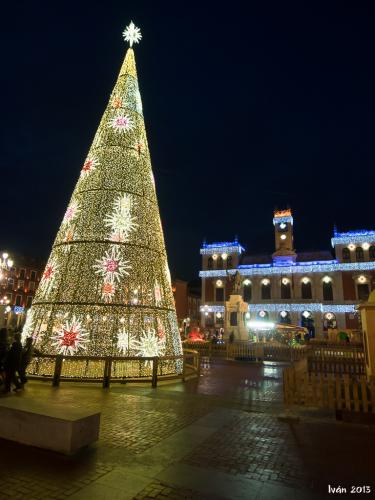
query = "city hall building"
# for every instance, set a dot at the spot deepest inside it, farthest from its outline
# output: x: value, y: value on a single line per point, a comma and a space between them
x: 312, y: 289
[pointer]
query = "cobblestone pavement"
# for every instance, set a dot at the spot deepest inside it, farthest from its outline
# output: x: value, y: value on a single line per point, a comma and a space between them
x: 257, y: 446
x: 216, y: 438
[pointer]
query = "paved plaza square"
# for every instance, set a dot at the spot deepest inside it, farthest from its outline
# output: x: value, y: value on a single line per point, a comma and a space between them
x: 224, y: 436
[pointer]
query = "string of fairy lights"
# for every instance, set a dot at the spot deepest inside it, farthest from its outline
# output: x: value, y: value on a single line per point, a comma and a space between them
x: 106, y: 288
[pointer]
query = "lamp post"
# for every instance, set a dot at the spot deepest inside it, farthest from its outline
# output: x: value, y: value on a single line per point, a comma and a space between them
x: 6, y: 264
x: 186, y: 322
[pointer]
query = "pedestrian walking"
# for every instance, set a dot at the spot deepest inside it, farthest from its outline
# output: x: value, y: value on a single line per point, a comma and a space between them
x: 12, y: 364
x: 26, y: 357
x: 3, y: 352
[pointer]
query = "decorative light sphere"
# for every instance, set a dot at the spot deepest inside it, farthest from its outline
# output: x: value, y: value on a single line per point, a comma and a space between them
x: 306, y: 314
x: 282, y: 225
x: 351, y: 246
x: 283, y: 314
x: 262, y: 314
x: 224, y: 256
x: 5, y: 255
x: 247, y: 315
x: 327, y: 279
x: 362, y: 279
x: 218, y: 315
x: 219, y: 283
x: 246, y: 282
x: 265, y: 281
x: 305, y: 280
x: 329, y: 316
x: 215, y: 256
x: 366, y: 246
x: 283, y: 237
x: 285, y: 281
x: 206, y: 313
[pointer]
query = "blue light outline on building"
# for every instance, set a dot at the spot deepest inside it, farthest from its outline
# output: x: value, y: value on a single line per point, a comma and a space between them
x: 221, y: 246
x: 296, y: 307
x: 359, y: 236
x: 279, y: 220
x: 310, y: 306
x: 297, y: 268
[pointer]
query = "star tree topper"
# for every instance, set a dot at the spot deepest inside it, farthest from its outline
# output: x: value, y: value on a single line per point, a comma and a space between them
x: 132, y: 34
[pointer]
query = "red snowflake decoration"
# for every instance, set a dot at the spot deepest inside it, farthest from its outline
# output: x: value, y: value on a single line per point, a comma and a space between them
x: 117, y: 102
x: 48, y: 272
x: 108, y: 291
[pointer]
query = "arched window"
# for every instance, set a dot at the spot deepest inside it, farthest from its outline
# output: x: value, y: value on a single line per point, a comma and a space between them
x: 329, y: 321
x: 246, y: 290
x: 306, y: 291
x: 359, y: 255
x: 284, y: 317
x: 229, y: 262
x: 363, y: 289
x: 210, y: 263
x: 371, y: 252
x: 263, y: 315
x: 307, y: 321
x: 219, y: 263
x: 327, y: 288
x: 266, y: 289
x: 346, y: 254
x: 286, y: 292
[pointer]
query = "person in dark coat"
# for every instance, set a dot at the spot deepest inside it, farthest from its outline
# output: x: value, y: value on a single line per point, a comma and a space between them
x: 12, y: 364
x: 3, y: 351
x: 26, y: 357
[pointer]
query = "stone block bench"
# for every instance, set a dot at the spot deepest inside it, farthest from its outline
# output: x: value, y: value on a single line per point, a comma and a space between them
x: 46, y: 425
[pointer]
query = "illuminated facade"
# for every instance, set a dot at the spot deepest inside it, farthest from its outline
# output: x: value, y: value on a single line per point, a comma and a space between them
x: 18, y: 284
x: 313, y: 289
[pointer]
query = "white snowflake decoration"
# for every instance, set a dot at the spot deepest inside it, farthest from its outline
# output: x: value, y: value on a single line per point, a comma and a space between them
x: 89, y: 166
x: 70, y: 338
x: 71, y: 212
x: 121, y: 221
x: 149, y: 345
x: 49, y: 276
x: 121, y: 123
x: 111, y: 267
x: 125, y: 341
x: 132, y: 34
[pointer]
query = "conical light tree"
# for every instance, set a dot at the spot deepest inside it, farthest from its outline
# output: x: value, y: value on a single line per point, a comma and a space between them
x: 106, y: 287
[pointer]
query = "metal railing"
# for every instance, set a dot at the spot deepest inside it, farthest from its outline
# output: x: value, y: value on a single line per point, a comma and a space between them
x: 250, y: 350
x: 110, y: 369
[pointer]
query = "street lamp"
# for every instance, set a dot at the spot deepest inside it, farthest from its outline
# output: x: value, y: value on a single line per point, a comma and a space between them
x: 186, y: 323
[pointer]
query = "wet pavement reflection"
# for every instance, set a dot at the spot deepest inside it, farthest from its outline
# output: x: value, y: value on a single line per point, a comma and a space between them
x: 239, y: 382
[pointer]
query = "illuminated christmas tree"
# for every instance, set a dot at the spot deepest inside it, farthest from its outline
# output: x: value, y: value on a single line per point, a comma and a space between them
x: 106, y: 287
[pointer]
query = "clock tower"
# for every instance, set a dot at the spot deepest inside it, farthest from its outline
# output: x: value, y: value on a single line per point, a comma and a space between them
x: 284, y: 248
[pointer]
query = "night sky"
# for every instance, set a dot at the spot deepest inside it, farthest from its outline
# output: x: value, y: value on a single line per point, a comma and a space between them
x: 247, y: 107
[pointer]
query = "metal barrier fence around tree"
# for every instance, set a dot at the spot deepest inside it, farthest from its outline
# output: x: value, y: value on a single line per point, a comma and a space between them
x: 257, y: 351
x: 120, y: 369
